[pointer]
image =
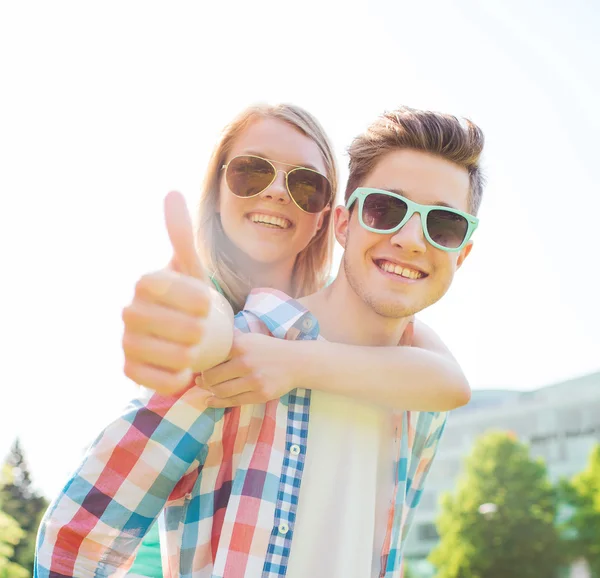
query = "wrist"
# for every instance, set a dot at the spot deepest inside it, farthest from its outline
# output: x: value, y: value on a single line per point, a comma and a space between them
x: 301, y: 360
x: 215, y: 345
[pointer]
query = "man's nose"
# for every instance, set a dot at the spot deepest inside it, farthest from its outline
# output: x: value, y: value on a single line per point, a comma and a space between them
x: 410, y: 237
x: 277, y: 190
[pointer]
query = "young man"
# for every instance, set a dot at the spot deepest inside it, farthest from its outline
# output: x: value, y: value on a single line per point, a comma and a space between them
x: 312, y: 483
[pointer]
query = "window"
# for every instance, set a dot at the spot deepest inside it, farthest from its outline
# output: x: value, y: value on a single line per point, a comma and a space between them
x: 569, y: 419
x: 427, y: 532
x: 429, y: 500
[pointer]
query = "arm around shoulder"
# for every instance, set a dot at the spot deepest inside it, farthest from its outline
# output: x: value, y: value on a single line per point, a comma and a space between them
x: 424, y: 377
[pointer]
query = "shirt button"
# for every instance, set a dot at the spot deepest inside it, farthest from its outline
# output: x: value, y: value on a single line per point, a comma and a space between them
x: 295, y: 449
x: 307, y: 323
x: 283, y: 529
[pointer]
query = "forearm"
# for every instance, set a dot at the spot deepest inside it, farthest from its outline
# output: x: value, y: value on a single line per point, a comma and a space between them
x: 218, y: 334
x: 402, y: 378
x: 96, y: 523
x: 76, y: 537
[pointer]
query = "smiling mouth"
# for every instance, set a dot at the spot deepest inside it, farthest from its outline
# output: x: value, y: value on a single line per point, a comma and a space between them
x: 270, y: 221
x: 405, y: 272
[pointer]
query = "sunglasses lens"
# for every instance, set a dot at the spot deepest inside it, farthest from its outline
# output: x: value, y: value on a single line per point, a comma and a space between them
x: 446, y: 228
x: 311, y: 190
x: 247, y: 176
x: 383, y: 212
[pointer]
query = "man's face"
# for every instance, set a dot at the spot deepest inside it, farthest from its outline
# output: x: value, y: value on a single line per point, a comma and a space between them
x: 400, y: 274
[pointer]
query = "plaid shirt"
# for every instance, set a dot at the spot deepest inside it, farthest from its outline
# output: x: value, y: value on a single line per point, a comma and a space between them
x: 226, y: 481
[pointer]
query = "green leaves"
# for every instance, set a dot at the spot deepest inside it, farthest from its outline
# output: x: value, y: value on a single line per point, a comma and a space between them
x: 580, y: 526
x: 514, y: 533
x: 21, y: 508
x: 10, y: 535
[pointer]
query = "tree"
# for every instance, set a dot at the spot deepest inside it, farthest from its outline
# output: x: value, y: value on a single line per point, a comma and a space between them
x: 500, y: 522
x: 582, y: 528
x: 10, y: 535
x: 22, y: 503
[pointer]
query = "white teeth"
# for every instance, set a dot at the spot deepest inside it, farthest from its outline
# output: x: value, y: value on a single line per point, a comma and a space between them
x: 402, y: 271
x: 279, y: 222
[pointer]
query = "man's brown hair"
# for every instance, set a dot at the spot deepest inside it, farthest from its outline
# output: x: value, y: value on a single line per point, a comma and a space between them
x: 444, y: 135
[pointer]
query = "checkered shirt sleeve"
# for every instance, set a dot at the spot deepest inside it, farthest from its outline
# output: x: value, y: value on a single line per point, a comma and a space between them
x: 417, y: 438
x: 136, y: 465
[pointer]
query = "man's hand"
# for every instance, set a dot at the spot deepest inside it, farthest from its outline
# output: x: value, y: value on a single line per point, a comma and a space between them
x: 165, y: 322
x: 260, y: 368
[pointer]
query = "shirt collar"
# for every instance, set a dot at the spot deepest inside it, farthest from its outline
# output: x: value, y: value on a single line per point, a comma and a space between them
x: 284, y: 317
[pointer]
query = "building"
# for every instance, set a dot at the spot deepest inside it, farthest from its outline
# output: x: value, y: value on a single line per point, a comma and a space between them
x: 560, y: 422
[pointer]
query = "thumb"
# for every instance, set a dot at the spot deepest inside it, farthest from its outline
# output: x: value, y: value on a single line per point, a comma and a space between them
x: 181, y: 234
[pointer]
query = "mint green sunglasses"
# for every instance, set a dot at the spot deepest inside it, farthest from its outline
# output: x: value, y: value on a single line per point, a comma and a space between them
x: 385, y: 212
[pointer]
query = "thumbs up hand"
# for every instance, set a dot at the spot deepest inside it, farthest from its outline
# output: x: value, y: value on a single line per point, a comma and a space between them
x: 176, y: 324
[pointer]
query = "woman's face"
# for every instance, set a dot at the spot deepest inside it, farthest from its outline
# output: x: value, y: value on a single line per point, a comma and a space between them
x: 245, y: 220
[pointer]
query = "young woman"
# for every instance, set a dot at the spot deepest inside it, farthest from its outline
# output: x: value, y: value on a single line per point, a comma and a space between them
x: 265, y: 222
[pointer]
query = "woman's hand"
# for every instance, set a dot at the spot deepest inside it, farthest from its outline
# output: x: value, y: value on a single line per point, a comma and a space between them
x: 260, y: 368
x: 424, y: 377
x: 171, y: 312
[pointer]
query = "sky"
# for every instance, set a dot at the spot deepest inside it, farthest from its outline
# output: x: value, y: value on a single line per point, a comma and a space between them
x: 105, y: 107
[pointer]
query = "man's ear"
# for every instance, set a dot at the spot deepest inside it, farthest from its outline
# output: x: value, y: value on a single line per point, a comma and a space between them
x: 464, y: 253
x: 341, y: 222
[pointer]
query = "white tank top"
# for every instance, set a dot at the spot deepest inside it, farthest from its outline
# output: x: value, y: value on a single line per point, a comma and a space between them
x: 346, y: 490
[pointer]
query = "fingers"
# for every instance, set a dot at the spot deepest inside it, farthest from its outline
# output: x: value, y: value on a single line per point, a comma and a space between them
x: 242, y: 399
x: 181, y: 234
x: 164, y: 327
x: 161, y: 381
x: 174, y: 290
x: 228, y: 370
x: 143, y: 317
x: 232, y: 388
x: 159, y: 353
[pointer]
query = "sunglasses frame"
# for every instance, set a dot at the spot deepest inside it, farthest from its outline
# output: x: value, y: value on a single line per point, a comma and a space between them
x: 362, y: 193
x: 276, y: 171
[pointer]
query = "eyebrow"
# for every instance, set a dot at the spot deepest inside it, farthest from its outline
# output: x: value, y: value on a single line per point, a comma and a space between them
x: 405, y: 194
x: 261, y: 155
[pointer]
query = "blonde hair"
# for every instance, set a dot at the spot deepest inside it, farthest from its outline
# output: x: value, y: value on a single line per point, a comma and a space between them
x: 444, y: 135
x: 216, y: 249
